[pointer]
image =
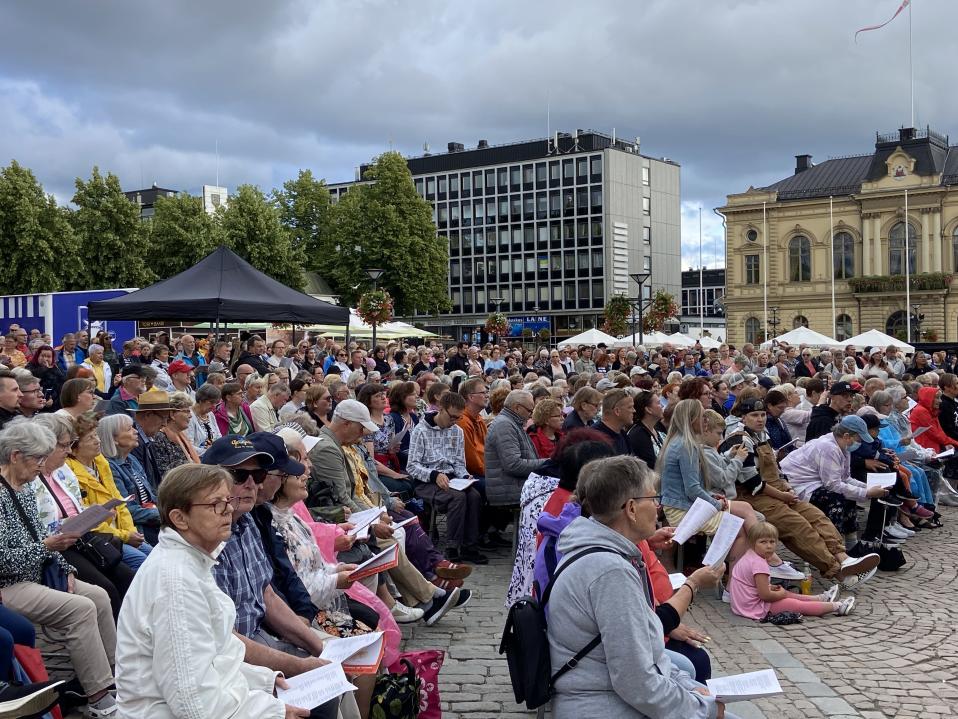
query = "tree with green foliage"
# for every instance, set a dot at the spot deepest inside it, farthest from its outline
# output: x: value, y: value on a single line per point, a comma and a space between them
x: 386, y: 224
x: 181, y: 234
x: 661, y: 309
x: 114, y: 247
x: 304, y: 206
x: 252, y: 229
x: 38, y: 249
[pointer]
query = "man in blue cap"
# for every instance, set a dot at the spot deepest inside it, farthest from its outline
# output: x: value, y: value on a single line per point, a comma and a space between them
x: 245, y: 573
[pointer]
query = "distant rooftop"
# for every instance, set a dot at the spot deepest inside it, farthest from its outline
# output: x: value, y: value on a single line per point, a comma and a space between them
x: 147, y: 197
x: 933, y: 154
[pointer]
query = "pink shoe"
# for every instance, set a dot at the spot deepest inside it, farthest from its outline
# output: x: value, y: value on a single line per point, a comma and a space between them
x: 920, y: 511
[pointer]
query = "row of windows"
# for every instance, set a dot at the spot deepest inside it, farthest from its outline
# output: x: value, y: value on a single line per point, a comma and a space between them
x: 525, y: 237
x: 571, y: 295
x: 895, y: 326
x: 553, y: 173
x: 690, y: 301
x: 541, y: 206
x: 843, y: 255
x: 543, y: 265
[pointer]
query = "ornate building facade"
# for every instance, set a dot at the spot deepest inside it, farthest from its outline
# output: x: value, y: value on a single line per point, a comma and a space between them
x: 841, y: 229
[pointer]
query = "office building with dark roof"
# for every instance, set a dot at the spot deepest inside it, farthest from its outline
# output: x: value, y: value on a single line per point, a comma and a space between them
x: 839, y: 228
x: 549, y: 229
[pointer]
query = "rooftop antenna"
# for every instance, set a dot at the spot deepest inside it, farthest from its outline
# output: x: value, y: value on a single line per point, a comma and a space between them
x: 217, y: 162
x: 548, y: 115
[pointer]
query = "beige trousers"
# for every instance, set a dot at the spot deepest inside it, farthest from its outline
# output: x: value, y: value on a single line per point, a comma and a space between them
x: 414, y: 587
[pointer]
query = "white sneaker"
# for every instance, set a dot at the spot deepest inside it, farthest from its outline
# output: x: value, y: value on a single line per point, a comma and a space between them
x: 829, y: 595
x: 845, y: 606
x: 897, y: 532
x: 786, y: 571
x: 405, y: 615
x: 901, y: 528
x: 726, y: 597
x: 856, y: 580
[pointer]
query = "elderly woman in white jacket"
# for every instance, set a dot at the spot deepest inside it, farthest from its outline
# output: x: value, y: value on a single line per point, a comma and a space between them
x: 176, y: 653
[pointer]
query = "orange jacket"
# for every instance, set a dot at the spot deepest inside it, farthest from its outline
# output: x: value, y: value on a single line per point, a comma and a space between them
x: 474, y: 433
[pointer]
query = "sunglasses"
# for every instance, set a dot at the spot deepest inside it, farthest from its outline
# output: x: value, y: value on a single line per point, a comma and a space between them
x: 241, y: 475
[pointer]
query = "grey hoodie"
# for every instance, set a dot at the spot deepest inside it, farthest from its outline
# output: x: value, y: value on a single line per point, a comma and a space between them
x: 629, y: 675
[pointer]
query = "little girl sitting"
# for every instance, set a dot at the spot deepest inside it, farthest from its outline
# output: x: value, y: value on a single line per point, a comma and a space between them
x: 754, y: 597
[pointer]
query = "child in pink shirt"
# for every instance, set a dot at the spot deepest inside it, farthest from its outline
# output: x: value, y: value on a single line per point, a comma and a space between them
x: 752, y: 595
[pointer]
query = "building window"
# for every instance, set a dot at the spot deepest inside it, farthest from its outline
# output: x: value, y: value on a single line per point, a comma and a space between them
x: 645, y: 176
x: 896, y: 249
x: 752, y: 270
x: 751, y: 235
x: 843, y: 327
x: 753, y: 331
x: 799, y: 259
x: 897, y: 324
x: 646, y: 206
x: 843, y: 256
x: 954, y: 247
x: 596, y: 165
x: 646, y: 234
x: 799, y: 321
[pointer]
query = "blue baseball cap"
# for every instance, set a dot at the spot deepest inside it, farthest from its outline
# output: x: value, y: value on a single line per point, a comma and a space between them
x: 857, y: 425
x: 274, y: 446
x: 234, y: 449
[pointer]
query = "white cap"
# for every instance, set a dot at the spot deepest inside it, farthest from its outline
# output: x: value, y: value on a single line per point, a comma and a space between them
x: 353, y: 411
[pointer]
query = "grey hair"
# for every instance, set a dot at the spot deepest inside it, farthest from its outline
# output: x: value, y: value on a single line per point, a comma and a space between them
x: 251, y: 379
x: 108, y: 428
x: 208, y: 393
x: 56, y: 423
x: 24, y: 377
x: 606, y: 484
x: 897, y: 393
x: 93, y: 347
x: 29, y: 438
x: 180, y: 400
x: 880, y: 397
x: 515, y: 397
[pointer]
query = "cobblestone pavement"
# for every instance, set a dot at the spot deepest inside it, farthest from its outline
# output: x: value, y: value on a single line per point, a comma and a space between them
x: 895, y: 656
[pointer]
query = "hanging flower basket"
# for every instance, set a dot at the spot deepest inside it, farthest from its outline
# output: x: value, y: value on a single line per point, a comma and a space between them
x: 497, y: 324
x: 375, y: 307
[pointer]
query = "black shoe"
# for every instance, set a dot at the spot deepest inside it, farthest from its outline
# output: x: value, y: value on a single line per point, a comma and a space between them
x: 473, y: 556
x: 453, y: 555
x: 464, y: 596
x: 497, y: 540
x: 18, y: 700
x: 441, y: 605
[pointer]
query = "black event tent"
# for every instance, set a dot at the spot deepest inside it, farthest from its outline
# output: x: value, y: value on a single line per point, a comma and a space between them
x: 220, y: 287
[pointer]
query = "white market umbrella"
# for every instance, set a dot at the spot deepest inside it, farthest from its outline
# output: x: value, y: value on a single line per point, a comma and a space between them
x: 647, y: 339
x: 874, y: 338
x: 806, y: 336
x: 681, y: 340
x: 709, y: 343
x: 590, y: 338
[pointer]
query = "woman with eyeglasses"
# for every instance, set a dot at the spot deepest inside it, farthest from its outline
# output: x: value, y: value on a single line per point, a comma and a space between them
x: 44, y: 367
x: 59, y: 497
x: 191, y: 663
x: 78, y: 612
x: 609, y: 594
x: 203, y: 428
x: 807, y: 366
x: 170, y: 446
x: 77, y: 397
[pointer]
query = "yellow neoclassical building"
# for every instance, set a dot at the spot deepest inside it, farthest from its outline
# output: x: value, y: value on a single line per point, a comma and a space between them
x: 839, y: 228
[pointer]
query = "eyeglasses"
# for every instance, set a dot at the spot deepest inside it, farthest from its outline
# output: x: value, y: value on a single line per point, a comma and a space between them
x: 221, y: 506
x: 241, y: 475
x: 282, y: 476
x: 656, y: 497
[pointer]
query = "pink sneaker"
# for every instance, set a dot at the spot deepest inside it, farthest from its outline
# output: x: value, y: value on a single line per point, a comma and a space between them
x: 920, y: 511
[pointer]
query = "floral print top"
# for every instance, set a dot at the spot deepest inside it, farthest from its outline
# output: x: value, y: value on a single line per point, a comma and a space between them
x: 21, y: 556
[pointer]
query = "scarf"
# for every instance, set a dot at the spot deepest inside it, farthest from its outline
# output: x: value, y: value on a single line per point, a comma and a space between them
x: 180, y: 440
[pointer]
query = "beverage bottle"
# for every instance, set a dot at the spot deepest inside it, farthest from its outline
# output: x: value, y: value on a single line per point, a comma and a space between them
x: 805, y: 586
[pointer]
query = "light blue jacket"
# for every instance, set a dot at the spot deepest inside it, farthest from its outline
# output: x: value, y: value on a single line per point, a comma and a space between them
x: 682, y: 478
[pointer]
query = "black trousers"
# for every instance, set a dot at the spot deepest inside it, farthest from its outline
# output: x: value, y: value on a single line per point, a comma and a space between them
x: 116, y: 581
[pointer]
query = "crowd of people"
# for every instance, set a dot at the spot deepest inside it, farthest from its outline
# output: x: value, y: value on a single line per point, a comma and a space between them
x: 235, y: 467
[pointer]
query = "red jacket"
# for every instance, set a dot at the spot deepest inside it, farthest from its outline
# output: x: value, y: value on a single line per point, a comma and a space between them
x: 544, y: 446
x: 924, y: 415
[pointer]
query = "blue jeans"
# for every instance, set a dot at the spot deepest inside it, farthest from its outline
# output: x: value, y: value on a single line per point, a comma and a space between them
x: 133, y: 557
x: 14, y: 629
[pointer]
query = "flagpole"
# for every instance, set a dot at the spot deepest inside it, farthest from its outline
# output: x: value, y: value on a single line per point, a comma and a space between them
x: 765, y: 271
x: 911, y: 77
x: 701, y: 281
x: 831, y: 224
x: 907, y: 275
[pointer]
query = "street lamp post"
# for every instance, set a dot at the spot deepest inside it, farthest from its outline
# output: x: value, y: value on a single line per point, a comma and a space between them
x: 640, y: 278
x: 374, y: 273
x: 496, y: 301
x: 773, y: 323
x: 916, y: 318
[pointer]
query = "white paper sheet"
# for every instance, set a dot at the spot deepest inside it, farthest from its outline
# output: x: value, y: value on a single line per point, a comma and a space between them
x: 880, y: 479
x: 742, y: 687
x: 315, y: 687
x: 677, y: 579
x: 919, y: 431
x: 699, y: 513
x: 911, y: 405
x: 339, y: 650
x: 362, y: 520
x: 461, y: 483
x: 724, y: 538
x: 385, y: 558
x: 397, y: 525
x: 947, y: 453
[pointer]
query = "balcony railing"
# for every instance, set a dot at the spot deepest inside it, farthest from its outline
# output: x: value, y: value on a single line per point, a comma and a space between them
x: 896, y: 283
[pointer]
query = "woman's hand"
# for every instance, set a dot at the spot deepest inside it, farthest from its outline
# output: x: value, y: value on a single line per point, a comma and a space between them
x: 71, y: 583
x: 708, y: 576
x: 294, y: 712
x: 662, y: 539
x: 59, y: 542
x: 382, y: 531
x: 342, y: 575
x: 875, y: 492
x: 135, y: 539
x: 685, y: 633
x: 343, y: 543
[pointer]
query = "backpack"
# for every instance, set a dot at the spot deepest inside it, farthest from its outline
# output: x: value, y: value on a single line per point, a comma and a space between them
x: 526, y: 644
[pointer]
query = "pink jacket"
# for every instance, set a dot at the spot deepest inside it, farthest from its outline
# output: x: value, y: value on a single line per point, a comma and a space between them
x: 325, y: 535
x: 223, y: 420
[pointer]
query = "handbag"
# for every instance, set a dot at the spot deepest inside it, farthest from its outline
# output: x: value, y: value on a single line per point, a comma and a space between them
x: 100, y: 549
x: 396, y: 696
x: 53, y: 575
x: 426, y: 664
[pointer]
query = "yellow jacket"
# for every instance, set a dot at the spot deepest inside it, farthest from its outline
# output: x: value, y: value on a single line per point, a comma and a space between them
x: 99, y: 491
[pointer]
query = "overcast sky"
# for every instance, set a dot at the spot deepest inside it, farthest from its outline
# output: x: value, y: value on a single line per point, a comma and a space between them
x: 731, y: 90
